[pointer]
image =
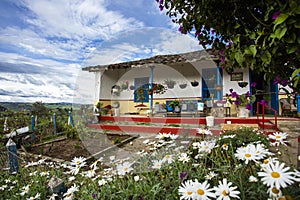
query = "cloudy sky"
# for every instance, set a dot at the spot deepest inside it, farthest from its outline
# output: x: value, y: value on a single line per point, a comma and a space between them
x: 45, y: 43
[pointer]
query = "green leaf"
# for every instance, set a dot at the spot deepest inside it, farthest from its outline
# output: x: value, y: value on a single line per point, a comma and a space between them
x: 253, y: 50
x: 280, y: 32
x: 252, y: 36
x: 291, y: 38
x: 291, y: 48
x: 239, y: 57
x: 266, y: 57
x: 280, y: 19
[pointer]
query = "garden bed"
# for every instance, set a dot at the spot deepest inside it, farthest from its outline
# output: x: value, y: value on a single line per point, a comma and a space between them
x: 67, y: 149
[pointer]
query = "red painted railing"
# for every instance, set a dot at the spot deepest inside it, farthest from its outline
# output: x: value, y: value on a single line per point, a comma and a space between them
x: 263, y: 114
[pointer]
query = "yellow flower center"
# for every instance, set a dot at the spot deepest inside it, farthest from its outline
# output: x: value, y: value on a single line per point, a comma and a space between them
x: 278, y: 136
x: 275, y: 190
x: 248, y: 155
x: 275, y: 174
x: 125, y: 169
x: 189, y: 193
x: 200, y: 192
x: 225, y: 193
x: 266, y: 161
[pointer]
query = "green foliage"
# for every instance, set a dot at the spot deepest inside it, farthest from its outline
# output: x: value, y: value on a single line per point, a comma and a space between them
x: 262, y: 35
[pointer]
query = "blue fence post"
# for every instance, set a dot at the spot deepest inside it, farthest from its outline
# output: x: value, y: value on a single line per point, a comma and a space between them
x: 54, y: 123
x: 12, y: 156
x: 32, y: 127
x: 71, y: 119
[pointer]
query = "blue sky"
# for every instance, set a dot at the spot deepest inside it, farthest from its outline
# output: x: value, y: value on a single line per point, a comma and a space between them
x: 45, y: 43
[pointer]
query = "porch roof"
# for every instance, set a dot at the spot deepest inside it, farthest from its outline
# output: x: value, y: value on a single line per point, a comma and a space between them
x: 160, y: 59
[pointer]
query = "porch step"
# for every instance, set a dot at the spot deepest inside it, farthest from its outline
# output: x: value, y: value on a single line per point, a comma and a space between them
x: 267, y: 125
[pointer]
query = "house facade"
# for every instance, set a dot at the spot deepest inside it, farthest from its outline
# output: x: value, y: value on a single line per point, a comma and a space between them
x: 119, y: 82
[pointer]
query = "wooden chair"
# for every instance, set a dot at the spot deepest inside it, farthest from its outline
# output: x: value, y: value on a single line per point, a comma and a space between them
x: 287, y: 107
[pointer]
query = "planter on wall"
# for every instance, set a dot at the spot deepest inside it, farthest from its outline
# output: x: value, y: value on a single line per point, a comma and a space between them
x: 183, y: 85
x: 131, y: 87
x: 194, y: 83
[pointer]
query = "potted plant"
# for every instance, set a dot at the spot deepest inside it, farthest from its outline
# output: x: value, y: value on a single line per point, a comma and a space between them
x: 176, y: 105
x: 194, y: 83
x: 124, y: 85
x: 131, y: 87
x: 140, y: 93
x: 170, y: 83
x: 115, y: 90
x: 182, y: 85
x: 157, y: 89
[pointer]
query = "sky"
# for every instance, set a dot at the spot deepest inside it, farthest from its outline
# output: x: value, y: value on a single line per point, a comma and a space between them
x: 44, y: 44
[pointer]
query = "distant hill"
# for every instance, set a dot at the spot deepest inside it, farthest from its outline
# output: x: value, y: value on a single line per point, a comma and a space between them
x: 20, y: 106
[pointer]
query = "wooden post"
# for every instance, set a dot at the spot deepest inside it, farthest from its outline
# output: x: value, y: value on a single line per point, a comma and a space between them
x: 12, y: 156
x: 54, y: 123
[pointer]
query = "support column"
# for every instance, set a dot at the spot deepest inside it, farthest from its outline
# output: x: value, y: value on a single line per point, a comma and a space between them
x: 150, y: 85
x: 98, y: 81
x: 219, y: 81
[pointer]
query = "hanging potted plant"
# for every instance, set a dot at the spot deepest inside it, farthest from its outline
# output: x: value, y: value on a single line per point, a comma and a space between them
x: 194, y: 83
x: 182, y: 85
x: 115, y: 90
x: 170, y: 83
x: 124, y: 85
x: 131, y: 87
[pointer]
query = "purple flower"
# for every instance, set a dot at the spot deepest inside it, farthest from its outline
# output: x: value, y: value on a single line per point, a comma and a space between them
x: 141, y: 197
x: 264, y: 102
x: 223, y: 59
x: 249, y: 106
x: 253, y: 84
x: 234, y: 95
x: 197, y: 34
x: 276, y: 15
x: 161, y: 1
x: 248, y: 94
x: 95, y: 196
x: 183, y: 175
x: 237, y: 103
x: 180, y: 29
x: 284, y: 82
x: 221, y: 52
x: 161, y: 7
x: 277, y: 80
x: 222, y: 67
x: 213, y: 31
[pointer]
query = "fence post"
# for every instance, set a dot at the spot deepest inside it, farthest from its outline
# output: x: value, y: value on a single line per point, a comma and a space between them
x: 5, y: 125
x: 54, y: 123
x: 71, y: 119
x: 32, y: 127
x: 12, y: 156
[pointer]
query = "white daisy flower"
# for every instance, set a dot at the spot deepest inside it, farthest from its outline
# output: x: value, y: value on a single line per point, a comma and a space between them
x: 37, y: 196
x: 168, y: 158
x: 173, y: 136
x: 102, y: 182
x: 25, y: 190
x: 279, y: 137
x: 252, y: 179
x: 124, y: 168
x: 210, y: 175
x: 247, y: 153
x: 146, y: 141
x: 53, y: 196
x: 201, y: 131
x: 157, y: 164
x: 202, y: 191
x: 276, y: 175
x: 162, y: 136
x: 274, y: 193
x: 227, y: 136
x: 80, y: 161
x: 225, y: 190
x: 71, y: 178
x: 206, y: 146
x: 183, y: 157
x: 186, y: 190
x: 136, y: 178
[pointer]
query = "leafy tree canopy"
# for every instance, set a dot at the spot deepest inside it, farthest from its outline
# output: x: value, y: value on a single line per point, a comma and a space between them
x: 262, y: 35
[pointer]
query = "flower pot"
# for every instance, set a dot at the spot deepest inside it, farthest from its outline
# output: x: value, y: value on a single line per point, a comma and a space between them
x: 170, y: 86
x: 177, y: 109
x: 242, y: 112
x: 182, y: 86
x: 131, y: 87
x: 194, y: 83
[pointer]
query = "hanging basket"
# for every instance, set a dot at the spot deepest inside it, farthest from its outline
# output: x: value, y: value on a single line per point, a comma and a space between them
x: 194, y: 83
x: 182, y: 86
